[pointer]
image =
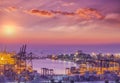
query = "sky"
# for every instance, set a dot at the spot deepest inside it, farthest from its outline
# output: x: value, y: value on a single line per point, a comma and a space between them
x: 60, y: 21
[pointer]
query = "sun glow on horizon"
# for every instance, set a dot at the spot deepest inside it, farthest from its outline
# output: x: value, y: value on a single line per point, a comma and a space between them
x: 9, y: 30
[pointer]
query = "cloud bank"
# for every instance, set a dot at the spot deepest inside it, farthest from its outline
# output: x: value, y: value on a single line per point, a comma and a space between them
x: 85, y: 13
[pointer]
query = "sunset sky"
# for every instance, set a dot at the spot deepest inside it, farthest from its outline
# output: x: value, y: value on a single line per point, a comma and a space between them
x: 60, y: 21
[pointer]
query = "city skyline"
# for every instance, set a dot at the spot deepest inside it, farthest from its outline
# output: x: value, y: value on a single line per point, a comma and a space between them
x: 60, y: 21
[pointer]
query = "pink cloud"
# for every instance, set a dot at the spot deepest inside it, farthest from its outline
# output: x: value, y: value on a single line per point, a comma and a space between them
x: 68, y: 4
x: 113, y: 16
x: 11, y: 9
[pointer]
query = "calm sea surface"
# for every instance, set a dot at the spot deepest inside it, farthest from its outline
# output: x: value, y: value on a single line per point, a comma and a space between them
x: 58, y: 49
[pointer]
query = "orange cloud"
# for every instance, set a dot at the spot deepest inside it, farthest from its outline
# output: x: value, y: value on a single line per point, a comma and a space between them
x: 88, y: 13
x: 41, y: 13
x: 85, y: 13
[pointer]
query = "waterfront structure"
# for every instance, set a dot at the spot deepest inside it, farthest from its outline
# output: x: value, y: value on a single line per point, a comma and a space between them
x: 16, y: 66
x: 6, y: 62
x: 98, y: 63
x: 46, y: 71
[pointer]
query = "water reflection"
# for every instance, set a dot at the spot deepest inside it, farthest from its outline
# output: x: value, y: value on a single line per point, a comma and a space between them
x: 58, y: 65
